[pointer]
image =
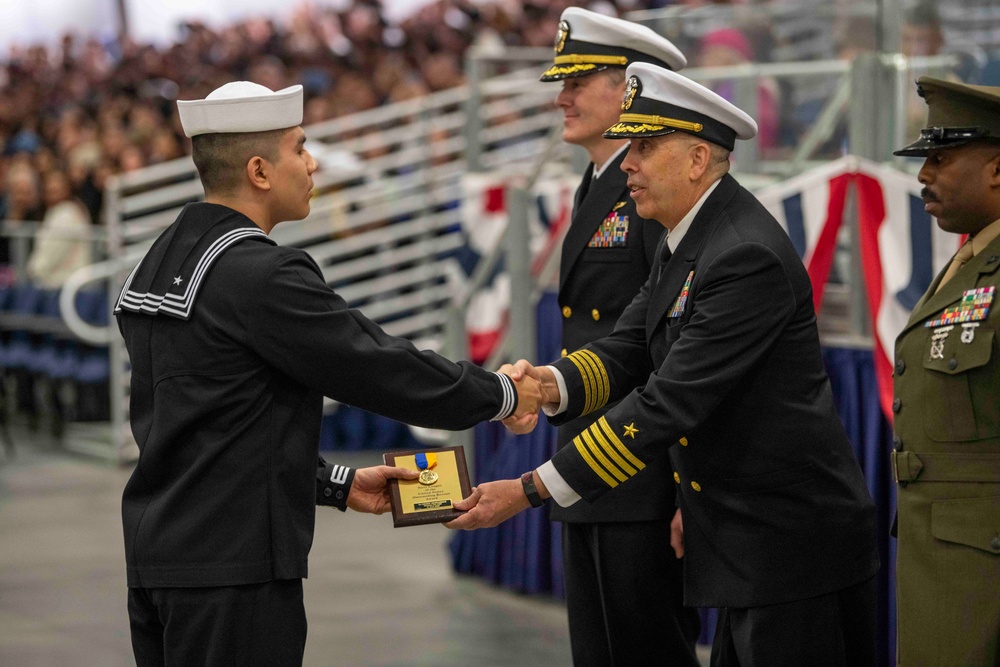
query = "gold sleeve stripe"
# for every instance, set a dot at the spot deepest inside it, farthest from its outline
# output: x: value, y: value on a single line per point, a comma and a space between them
x: 660, y: 120
x: 592, y: 59
x: 599, y: 455
x: 589, y: 381
x: 609, y: 448
x: 580, y: 447
x: 606, y: 427
x: 605, y: 384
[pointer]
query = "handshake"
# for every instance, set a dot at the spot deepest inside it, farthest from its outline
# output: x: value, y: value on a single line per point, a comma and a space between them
x: 536, y: 389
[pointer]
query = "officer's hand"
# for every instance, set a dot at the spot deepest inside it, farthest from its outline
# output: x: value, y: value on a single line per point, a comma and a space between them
x: 491, y: 503
x: 370, y: 490
x: 677, y: 534
x: 530, y: 398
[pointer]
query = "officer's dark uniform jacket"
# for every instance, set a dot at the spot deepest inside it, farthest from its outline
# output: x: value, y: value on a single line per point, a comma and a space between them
x: 947, y: 461
x: 606, y: 258
x: 233, y: 342
x: 718, y: 361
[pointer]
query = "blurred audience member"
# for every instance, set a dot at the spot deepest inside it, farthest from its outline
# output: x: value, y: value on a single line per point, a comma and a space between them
x: 63, y: 243
x: 21, y: 202
x: 728, y: 47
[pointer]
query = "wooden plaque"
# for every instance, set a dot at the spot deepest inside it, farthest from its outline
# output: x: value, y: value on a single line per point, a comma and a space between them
x: 415, y: 503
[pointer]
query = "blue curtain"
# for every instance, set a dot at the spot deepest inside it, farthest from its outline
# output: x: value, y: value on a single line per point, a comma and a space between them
x: 351, y: 429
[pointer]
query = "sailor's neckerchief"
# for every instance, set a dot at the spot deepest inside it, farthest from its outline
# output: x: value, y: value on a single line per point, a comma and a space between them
x: 167, y: 279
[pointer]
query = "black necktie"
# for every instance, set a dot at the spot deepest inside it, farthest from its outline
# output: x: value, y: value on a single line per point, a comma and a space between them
x: 664, y: 255
x: 585, y: 183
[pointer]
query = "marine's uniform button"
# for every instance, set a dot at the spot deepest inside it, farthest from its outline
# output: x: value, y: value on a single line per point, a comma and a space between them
x: 900, y: 366
x: 596, y: 314
x: 567, y: 311
x: 684, y: 442
x: 696, y: 486
x: 340, y: 495
x: 995, y: 544
x: 327, y: 492
x: 897, y: 443
x: 677, y: 478
x: 897, y: 405
x: 952, y: 364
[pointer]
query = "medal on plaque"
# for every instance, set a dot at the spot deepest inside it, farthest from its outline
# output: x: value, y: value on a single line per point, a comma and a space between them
x: 431, y: 497
x: 425, y: 462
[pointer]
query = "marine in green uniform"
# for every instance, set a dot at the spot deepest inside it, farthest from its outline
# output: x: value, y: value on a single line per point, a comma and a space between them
x: 947, y: 397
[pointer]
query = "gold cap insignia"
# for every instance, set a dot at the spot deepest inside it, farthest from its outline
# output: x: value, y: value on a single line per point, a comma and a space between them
x: 631, y: 90
x: 562, y: 36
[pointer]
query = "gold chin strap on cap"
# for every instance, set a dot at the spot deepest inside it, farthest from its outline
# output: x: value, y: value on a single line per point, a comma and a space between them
x: 582, y: 59
x: 660, y: 120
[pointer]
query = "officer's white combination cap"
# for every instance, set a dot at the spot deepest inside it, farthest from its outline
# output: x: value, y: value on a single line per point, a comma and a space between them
x: 658, y: 101
x: 589, y: 42
x: 242, y: 106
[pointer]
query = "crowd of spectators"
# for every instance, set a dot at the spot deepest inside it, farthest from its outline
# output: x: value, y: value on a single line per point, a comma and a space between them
x: 91, y: 110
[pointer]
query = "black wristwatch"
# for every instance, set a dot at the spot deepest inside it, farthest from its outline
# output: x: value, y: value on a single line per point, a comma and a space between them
x: 528, y: 484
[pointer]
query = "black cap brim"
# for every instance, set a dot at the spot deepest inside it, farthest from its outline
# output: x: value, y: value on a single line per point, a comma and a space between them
x: 921, y: 146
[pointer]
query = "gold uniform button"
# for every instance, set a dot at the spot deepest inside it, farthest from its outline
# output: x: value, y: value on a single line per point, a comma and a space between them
x: 567, y: 311
x: 596, y: 314
x: 677, y: 478
x: 684, y: 442
x: 563, y: 353
x: 696, y: 486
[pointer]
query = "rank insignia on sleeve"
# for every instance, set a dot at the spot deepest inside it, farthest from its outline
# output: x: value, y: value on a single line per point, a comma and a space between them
x: 681, y: 303
x: 613, y: 232
x: 974, y: 306
x: 630, y: 430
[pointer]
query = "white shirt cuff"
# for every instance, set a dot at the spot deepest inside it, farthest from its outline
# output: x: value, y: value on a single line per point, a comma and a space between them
x: 563, y: 397
x: 556, y: 485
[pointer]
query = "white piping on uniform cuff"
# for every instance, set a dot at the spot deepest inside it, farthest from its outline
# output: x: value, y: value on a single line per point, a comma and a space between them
x: 563, y: 397
x: 509, y: 402
x: 560, y: 491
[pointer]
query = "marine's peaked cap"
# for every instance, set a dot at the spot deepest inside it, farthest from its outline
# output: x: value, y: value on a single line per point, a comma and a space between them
x: 957, y: 113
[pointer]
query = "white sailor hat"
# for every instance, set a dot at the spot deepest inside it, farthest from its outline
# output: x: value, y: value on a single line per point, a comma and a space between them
x: 658, y: 101
x: 589, y: 42
x: 242, y: 106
